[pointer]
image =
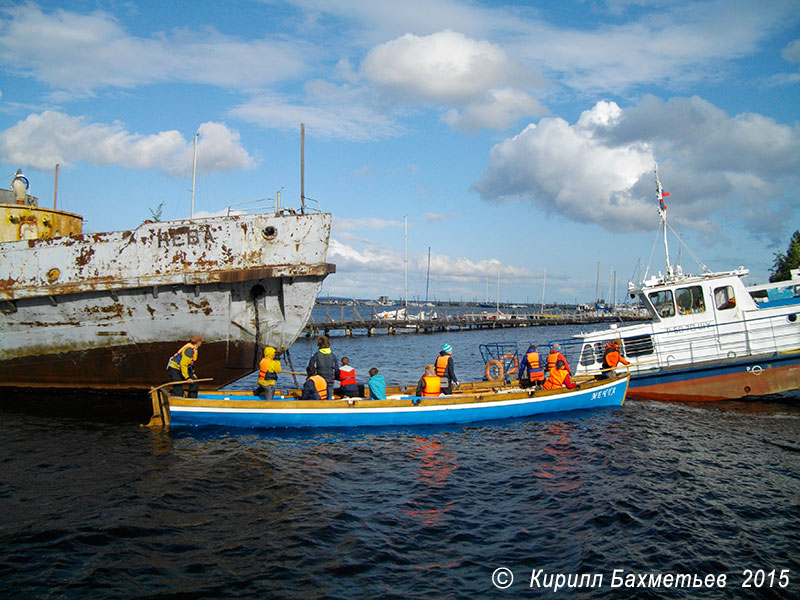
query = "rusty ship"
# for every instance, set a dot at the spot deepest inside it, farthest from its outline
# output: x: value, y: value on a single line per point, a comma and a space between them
x: 105, y: 311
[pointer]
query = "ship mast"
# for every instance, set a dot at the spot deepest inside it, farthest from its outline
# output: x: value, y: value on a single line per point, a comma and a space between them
x: 662, y: 212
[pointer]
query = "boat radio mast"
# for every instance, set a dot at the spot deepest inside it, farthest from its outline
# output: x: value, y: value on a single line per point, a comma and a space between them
x: 662, y: 211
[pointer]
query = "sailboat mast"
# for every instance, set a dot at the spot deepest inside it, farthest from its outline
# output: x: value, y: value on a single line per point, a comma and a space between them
x: 544, y: 286
x: 405, y: 260
x: 498, y: 290
x: 428, y: 277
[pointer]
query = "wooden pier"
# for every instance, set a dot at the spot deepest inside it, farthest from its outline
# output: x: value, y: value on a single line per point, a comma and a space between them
x: 444, y: 322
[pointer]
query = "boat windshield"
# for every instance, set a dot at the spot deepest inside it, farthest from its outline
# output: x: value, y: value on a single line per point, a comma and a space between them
x: 662, y: 303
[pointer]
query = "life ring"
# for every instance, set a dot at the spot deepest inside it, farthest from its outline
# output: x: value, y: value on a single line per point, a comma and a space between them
x: 493, y: 371
x: 514, y: 360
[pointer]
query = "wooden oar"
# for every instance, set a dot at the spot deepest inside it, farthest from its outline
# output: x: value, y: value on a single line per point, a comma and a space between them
x: 163, y: 385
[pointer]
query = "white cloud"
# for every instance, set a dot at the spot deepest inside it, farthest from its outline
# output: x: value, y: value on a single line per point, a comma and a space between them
x: 599, y: 170
x: 672, y: 44
x: 43, y: 140
x: 351, y: 119
x: 375, y: 258
x: 369, y: 223
x: 791, y: 52
x: 71, y: 51
x: 447, y: 67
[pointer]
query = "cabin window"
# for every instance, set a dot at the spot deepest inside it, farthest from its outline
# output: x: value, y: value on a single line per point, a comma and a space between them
x: 662, y: 302
x: 638, y: 345
x: 690, y: 300
x: 723, y: 298
x: 587, y: 355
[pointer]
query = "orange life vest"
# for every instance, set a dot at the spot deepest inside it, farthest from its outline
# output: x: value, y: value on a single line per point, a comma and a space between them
x: 347, y: 376
x: 612, y: 356
x: 433, y: 385
x: 553, y: 358
x: 535, y: 373
x: 556, y: 379
x: 441, y: 364
x: 321, y: 385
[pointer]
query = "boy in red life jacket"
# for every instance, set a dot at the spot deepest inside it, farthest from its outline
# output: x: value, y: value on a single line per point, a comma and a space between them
x: 430, y: 384
x: 611, y: 358
x: 348, y: 386
x: 558, y: 378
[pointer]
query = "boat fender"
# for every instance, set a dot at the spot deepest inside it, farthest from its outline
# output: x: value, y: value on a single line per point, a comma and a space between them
x: 514, y: 360
x: 498, y: 368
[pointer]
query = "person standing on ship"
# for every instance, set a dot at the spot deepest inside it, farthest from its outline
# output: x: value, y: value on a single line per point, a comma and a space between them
x: 325, y: 363
x: 181, y: 366
x: 268, y: 370
x: 611, y: 358
x: 531, y: 373
x: 445, y: 370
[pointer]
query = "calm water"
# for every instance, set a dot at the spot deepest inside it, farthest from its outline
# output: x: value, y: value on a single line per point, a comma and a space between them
x: 107, y: 510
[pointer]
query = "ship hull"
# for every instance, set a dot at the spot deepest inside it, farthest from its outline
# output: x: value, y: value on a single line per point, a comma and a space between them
x: 716, y: 381
x: 120, y: 304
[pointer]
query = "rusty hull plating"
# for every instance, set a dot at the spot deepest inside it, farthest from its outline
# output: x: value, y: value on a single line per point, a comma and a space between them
x: 107, y: 310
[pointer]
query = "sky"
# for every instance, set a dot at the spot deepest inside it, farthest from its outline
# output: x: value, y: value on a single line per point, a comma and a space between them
x: 477, y: 150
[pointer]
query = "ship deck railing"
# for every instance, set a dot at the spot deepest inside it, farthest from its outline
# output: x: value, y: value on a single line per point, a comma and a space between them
x: 690, y: 344
x: 267, y: 205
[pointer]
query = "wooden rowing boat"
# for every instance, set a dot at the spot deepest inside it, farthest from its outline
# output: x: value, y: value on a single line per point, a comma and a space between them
x: 481, y: 403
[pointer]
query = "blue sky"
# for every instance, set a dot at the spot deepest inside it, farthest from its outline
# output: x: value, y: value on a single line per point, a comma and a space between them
x: 516, y: 138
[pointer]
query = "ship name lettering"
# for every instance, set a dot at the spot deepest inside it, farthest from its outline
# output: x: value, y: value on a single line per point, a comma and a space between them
x: 184, y: 236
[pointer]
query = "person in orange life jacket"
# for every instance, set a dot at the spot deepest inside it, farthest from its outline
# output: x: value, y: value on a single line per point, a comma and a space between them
x: 445, y: 370
x: 349, y: 386
x: 325, y: 362
x: 555, y: 356
x: 181, y: 366
x: 531, y: 372
x: 268, y: 370
x: 430, y: 384
x: 315, y: 386
x: 611, y: 358
x: 559, y: 377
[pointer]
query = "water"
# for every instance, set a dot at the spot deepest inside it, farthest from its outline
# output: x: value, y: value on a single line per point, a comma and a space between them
x: 96, y: 509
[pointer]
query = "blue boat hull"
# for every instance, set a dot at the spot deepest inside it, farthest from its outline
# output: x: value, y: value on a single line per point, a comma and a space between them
x: 466, y: 411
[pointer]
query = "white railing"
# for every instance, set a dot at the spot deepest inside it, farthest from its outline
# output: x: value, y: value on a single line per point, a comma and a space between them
x: 761, y: 335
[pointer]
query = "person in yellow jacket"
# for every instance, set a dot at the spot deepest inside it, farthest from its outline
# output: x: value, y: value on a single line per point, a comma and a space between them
x: 268, y: 370
x: 181, y: 366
